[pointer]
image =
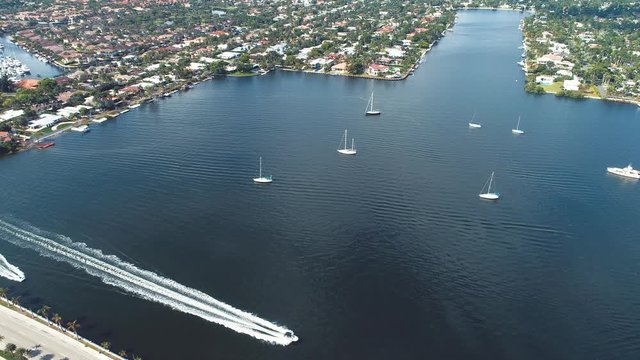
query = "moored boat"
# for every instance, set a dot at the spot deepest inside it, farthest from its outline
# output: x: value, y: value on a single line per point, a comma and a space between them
x: 628, y: 172
x: 45, y: 145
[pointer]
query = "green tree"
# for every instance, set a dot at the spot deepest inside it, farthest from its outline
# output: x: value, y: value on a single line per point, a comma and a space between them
x: 6, y: 85
x: 44, y: 311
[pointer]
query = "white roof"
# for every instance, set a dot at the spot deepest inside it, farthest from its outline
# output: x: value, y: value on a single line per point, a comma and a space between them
x: 10, y: 114
x: 44, y: 120
x: 70, y: 110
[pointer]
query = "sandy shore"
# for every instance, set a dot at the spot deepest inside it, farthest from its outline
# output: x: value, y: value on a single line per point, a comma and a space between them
x: 47, y: 343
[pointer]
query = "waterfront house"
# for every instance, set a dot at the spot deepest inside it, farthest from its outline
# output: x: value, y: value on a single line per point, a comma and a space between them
x: 377, y: 69
x: 45, y: 120
x: 571, y: 85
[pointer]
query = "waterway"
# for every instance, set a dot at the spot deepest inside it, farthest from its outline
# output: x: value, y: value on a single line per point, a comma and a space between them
x: 37, y: 66
x: 388, y: 254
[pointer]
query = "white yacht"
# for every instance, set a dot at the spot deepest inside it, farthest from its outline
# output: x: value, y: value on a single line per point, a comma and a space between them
x: 81, y: 129
x: 345, y: 150
x: 474, y: 125
x: 628, y: 172
x: 370, y: 110
x: 517, y: 130
x: 489, y: 195
x: 262, y: 179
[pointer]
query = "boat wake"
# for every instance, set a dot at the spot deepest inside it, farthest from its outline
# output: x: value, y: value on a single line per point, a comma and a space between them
x: 145, y: 284
x: 9, y: 271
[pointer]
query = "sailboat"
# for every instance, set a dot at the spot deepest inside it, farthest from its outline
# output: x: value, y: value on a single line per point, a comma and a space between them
x: 517, y: 130
x: 262, y: 179
x: 345, y: 150
x: 370, y: 110
x: 474, y: 125
x: 489, y: 195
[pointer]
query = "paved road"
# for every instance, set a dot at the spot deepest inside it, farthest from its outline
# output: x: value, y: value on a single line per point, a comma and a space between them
x: 26, y: 332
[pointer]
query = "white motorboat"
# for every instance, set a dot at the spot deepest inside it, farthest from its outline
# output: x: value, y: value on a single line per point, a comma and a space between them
x: 628, y: 172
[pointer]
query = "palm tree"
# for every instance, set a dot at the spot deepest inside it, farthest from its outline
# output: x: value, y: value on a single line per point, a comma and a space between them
x: 73, y: 326
x: 3, y: 292
x: 21, y: 352
x: 1, y: 338
x: 15, y: 300
x: 122, y: 353
x: 44, y: 311
x: 105, y: 344
x: 137, y: 358
x: 57, y: 319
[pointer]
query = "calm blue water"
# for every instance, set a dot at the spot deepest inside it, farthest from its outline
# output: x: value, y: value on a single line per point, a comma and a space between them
x: 37, y: 66
x: 388, y: 254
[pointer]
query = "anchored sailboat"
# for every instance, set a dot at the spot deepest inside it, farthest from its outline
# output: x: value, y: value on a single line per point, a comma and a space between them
x: 370, y: 110
x: 345, y: 150
x: 262, y: 179
x: 517, y: 130
x: 489, y: 195
x: 474, y: 125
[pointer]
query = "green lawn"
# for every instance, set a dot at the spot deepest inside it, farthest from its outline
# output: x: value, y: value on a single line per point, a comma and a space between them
x: 557, y: 87
x: 553, y: 88
x: 239, y: 74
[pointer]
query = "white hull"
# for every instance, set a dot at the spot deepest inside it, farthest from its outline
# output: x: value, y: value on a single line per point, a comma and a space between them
x: 475, y: 126
x: 490, y: 196
x: 374, y: 112
x: 347, y: 151
x: 262, y: 180
x: 625, y: 172
x: 81, y: 129
x: 517, y: 132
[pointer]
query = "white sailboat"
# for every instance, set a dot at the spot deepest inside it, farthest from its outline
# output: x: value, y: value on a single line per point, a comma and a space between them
x: 489, y: 195
x: 345, y: 150
x: 370, y: 110
x: 474, y: 125
x: 262, y: 179
x: 517, y: 130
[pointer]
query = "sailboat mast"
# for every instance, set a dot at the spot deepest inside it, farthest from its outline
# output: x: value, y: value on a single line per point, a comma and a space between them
x: 351, y: 143
x: 345, y: 139
x: 260, y: 166
x: 518, y: 126
x: 372, y: 101
x: 490, y: 181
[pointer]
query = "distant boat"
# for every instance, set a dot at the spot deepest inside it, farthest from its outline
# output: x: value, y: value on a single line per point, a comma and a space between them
x: 45, y: 145
x: 262, y: 179
x: 489, y: 195
x: 81, y: 128
x: 345, y: 150
x: 474, y: 125
x: 517, y: 130
x: 370, y: 110
x: 626, y: 172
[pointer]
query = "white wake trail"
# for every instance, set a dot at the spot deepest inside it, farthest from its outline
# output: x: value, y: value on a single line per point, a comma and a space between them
x: 145, y: 284
x: 9, y: 271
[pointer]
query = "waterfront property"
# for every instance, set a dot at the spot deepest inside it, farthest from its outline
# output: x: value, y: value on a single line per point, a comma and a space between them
x: 318, y: 249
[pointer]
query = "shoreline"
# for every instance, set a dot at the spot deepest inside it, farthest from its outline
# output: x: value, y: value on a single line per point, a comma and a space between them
x: 48, y: 335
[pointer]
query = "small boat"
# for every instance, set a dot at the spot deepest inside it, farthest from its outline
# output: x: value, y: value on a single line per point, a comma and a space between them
x: 100, y: 120
x: 45, y: 145
x: 489, y: 195
x: 262, y: 179
x: 291, y: 336
x: 345, y: 150
x: 517, y: 130
x: 628, y: 172
x: 81, y: 129
x: 370, y: 110
x: 134, y: 106
x: 474, y: 125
